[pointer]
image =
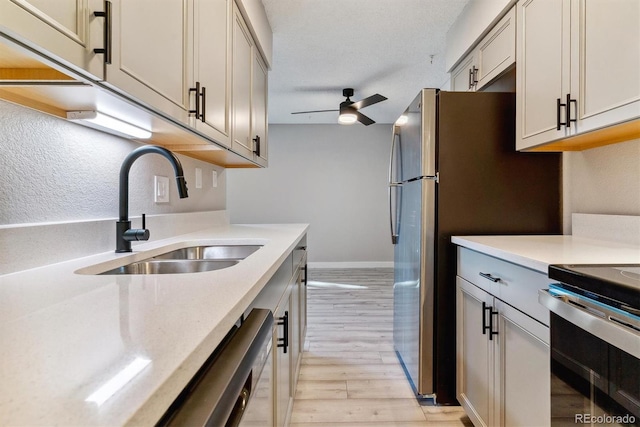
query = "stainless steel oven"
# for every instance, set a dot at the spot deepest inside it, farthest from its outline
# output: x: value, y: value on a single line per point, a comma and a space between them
x: 595, y: 344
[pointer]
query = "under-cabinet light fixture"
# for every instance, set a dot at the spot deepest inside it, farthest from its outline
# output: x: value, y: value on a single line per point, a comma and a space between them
x: 109, y: 124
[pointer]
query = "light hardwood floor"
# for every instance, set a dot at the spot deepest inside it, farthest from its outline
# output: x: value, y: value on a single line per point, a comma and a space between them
x: 350, y: 375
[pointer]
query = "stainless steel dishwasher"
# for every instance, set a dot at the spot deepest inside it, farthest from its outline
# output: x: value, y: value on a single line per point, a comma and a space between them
x: 233, y: 388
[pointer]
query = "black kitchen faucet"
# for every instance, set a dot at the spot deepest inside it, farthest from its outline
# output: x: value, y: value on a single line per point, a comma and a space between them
x: 124, y: 233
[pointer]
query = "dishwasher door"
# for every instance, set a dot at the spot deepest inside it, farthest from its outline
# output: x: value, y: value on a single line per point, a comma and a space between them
x: 231, y: 382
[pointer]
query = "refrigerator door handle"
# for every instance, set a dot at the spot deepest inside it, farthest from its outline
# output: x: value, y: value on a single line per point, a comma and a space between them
x: 392, y: 185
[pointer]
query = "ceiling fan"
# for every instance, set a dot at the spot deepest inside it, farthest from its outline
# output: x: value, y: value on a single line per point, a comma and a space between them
x: 348, y: 109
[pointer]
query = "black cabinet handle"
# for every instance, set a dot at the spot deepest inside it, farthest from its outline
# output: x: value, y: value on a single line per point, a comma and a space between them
x: 305, y: 275
x: 490, y: 277
x: 474, y: 76
x: 203, y: 108
x: 470, y: 78
x: 488, y: 327
x: 106, y: 50
x: 485, y: 327
x: 201, y: 100
x: 284, y: 322
x: 256, y: 146
x: 569, y: 101
x: 491, y: 331
x: 558, y: 106
x: 197, y: 99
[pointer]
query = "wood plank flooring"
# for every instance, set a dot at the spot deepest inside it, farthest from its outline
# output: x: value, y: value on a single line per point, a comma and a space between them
x: 350, y: 375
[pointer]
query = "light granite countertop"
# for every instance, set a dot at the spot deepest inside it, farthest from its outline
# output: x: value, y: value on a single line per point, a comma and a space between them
x: 64, y: 335
x: 538, y: 252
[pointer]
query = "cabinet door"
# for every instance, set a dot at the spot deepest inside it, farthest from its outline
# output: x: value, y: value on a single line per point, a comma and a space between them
x: 302, y: 282
x: 497, y: 50
x: 150, y: 53
x: 241, y: 104
x: 462, y: 76
x: 543, y: 71
x: 65, y: 30
x: 282, y: 364
x: 605, y: 78
x: 474, y: 353
x: 259, y: 109
x: 212, y: 60
x: 522, y: 369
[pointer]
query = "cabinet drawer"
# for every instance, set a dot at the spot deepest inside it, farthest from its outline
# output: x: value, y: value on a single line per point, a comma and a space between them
x: 517, y: 286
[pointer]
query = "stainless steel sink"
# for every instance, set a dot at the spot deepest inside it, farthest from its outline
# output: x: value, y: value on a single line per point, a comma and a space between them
x: 179, y: 266
x: 222, y: 252
x: 193, y: 259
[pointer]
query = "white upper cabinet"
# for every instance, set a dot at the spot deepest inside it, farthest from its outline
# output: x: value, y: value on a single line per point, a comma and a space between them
x: 66, y: 29
x: 212, y: 68
x: 605, y: 72
x: 249, y: 104
x: 542, y: 75
x: 462, y: 77
x: 241, y: 104
x: 578, y: 63
x: 259, y: 110
x: 150, y: 54
x: 494, y: 54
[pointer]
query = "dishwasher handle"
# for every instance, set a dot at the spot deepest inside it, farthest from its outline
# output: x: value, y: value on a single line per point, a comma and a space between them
x: 211, y: 397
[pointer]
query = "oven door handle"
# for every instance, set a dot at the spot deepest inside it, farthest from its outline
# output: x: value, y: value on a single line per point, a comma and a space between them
x: 587, y: 319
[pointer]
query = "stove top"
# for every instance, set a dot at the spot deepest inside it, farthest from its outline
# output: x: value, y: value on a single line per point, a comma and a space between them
x: 619, y: 282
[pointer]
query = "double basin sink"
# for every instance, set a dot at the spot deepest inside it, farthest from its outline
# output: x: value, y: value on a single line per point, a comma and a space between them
x: 193, y: 259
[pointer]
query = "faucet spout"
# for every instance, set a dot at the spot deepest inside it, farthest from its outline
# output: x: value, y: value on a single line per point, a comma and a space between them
x: 124, y: 233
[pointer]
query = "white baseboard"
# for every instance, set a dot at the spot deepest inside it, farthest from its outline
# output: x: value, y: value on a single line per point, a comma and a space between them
x: 357, y: 264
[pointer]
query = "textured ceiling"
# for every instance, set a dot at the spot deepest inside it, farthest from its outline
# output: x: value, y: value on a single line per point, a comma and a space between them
x: 373, y: 46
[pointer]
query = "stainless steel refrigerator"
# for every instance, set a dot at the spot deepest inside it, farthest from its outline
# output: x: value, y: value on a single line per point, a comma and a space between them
x: 454, y: 171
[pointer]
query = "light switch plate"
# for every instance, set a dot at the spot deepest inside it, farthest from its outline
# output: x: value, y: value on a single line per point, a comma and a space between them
x: 161, y: 189
x: 215, y: 179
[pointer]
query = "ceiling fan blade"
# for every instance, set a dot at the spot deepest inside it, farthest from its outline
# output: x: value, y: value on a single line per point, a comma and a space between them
x: 373, y: 99
x: 364, y: 119
x: 316, y: 111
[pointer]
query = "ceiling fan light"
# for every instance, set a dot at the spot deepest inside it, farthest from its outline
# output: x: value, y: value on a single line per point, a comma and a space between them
x: 347, y: 118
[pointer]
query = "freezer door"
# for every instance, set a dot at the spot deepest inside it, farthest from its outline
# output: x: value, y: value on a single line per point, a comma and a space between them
x: 417, y: 138
x: 413, y: 288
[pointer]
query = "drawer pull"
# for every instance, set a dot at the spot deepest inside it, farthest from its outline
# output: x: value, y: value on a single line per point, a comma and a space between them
x: 490, y: 277
x: 284, y: 341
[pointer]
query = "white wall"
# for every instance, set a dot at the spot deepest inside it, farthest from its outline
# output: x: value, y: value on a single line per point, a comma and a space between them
x: 603, y: 180
x: 331, y: 176
x: 54, y: 170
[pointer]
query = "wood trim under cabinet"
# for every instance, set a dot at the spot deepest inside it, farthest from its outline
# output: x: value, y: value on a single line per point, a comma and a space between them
x: 621, y: 132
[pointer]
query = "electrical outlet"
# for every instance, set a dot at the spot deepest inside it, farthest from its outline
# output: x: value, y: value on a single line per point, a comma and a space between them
x: 198, y: 178
x: 161, y: 189
x: 215, y: 179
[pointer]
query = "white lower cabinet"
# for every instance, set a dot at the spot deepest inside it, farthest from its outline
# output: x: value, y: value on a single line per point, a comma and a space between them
x: 285, y: 295
x: 282, y: 365
x: 503, y: 372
